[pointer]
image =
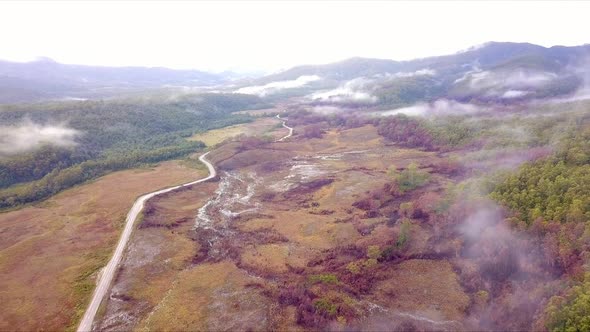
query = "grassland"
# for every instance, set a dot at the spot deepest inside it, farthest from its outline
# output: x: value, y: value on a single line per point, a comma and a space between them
x: 270, y: 127
x: 51, y: 252
x: 267, y: 267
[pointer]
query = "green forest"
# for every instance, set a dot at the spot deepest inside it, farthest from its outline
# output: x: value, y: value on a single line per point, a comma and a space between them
x: 550, y: 198
x: 114, y: 135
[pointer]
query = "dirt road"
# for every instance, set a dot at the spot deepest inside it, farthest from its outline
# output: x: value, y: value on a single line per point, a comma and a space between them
x: 108, y: 272
x: 285, y: 125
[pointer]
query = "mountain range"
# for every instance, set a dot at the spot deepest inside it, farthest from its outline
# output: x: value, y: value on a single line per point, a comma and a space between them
x: 495, y: 71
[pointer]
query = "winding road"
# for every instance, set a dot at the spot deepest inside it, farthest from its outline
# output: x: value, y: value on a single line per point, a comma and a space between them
x: 285, y: 125
x: 109, y: 271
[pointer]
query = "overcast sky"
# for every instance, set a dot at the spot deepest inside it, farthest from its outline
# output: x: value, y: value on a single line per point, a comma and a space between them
x: 274, y: 35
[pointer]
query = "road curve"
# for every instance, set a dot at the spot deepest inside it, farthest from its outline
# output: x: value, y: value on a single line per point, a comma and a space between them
x: 109, y: 271
x: 285, y: 125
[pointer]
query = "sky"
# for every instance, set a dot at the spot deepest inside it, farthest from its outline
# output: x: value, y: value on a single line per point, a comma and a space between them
x: 271, y: 36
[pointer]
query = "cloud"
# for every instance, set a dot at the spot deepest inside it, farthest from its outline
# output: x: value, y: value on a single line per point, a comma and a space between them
x: 514, y: 94
x: 356, y: 90
x: 507, y: 84
x: 474, y: 69
x: 274, y: 87
x: 421, y: 72
x: 29, y: 136
x: 326, y: 110
x: 439, y: 107
x: 503, y: 257
x: 360, y: 89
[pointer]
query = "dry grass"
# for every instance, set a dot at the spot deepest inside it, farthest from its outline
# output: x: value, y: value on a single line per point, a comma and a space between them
x: 260, y: 127
x: 168, y: 292
x: 155, y: 256
x: 210, y: 297
x: 429, y: 287
x: 50, y: 252
x: 274, y: 258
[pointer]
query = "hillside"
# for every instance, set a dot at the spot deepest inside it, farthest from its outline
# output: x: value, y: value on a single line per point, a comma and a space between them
x: 46, y: 79
x: 48, y: 147
x: 493, y: 72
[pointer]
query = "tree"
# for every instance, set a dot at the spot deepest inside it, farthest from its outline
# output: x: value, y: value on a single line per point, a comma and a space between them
x: 572, y: 311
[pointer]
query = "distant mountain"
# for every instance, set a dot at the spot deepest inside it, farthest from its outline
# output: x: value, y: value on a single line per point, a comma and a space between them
x: 492, y: 72
x: 486, y: 56
x: 47, y: 79
x: 343, y: 70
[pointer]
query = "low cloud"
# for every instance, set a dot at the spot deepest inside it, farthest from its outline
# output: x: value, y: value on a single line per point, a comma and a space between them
x: 506, y: 84
x: 439, y: 107
x: 356, y: 90
x: 274, y: 87
x: 421, y: 72
x: 29, y: 136
x: 514, y: 94
x: 504, y: 159
x: 503, y: 257
x: 326, y: 110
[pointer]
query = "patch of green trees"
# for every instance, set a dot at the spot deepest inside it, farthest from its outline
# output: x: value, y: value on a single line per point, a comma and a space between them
x: 115, y: 134
x: 572, y: 311
x: 554, y: 189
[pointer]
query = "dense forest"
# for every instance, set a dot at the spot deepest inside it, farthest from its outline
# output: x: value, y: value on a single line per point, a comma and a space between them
x: 111, y: 135
x: 550, y: 198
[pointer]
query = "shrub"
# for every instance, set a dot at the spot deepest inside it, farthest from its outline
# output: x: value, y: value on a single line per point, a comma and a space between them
x: 325, y: 278
x: 373, y: 252
x: 313, y: 131
x: 325, y: 306
x: 410, y: 178
x: 406, y: 209
x: 353, y: 267
x: 404, y: 234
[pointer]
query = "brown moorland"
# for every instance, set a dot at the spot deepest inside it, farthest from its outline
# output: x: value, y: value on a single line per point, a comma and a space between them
x: 282, y: 243
x: 51, y: 251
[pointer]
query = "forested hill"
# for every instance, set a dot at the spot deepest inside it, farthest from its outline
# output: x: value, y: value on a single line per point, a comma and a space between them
x: 485, y: 56
x: 493, y: 73
x: 71, y: 142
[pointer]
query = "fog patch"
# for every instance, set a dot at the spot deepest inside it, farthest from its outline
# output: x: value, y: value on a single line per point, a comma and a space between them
x: 326, y: 110
x: 421, y: 72
x: 73, y: 99
x: 506, y: 84
x: 583, y: 92
x: 514, y: 94
x: 474, y: 47
x: 356, y: 90
x: 474, y: 69
x: 274, y: 87
x: 29, y: 136
x: 503, y: 159
x: 512, y: 267
x: 439, y: 107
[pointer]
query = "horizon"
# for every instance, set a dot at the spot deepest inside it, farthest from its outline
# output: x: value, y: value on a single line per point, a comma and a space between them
x: 270, y: 37
x: 42, y: 58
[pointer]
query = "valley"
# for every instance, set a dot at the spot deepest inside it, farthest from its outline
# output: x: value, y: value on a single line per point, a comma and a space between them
x: 294, y: 236
x: 448, y: 193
